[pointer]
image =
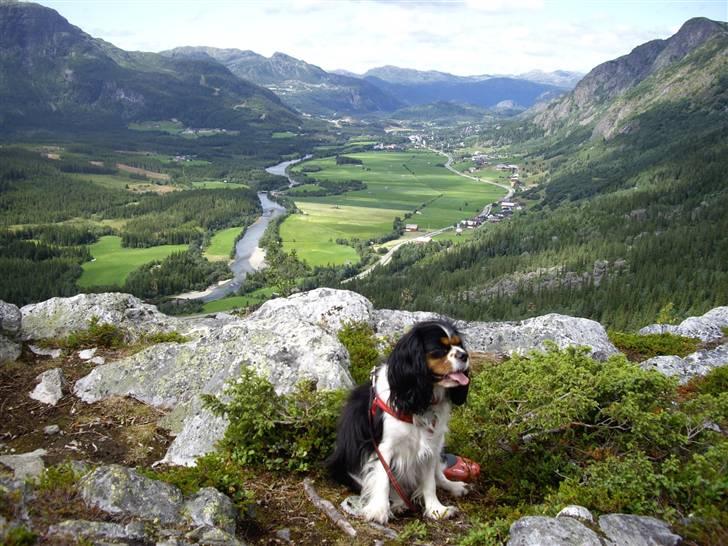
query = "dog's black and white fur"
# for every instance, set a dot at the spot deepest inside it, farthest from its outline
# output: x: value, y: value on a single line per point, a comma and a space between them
x: 424, y: 376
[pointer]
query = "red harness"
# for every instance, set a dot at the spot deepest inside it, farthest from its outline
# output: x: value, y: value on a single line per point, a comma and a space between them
x: 405, y: 417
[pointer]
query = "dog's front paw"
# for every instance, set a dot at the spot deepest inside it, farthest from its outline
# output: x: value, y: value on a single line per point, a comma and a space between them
x: 440, y: 512
x: 376, y: 513
x: 457, y: 489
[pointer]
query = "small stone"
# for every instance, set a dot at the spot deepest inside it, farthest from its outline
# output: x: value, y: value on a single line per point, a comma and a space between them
x: 50, y: 430
x: 50, y: 387
x: 87, y: 354
x: 575, y: 511
x: 211, y: 508
x: 25, y: 465
x: 45, y: 351
x: 213, y: 536
x: 284, y: 534
x: 98, y: 360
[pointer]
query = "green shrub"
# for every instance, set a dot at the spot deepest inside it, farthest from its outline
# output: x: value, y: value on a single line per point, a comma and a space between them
x: 359, y: 340
x: 166, y: 337
x: 290, y: 432
x: 414, y: 531
x: 61, y: 477
x: 641, y: 347
x: 96, y: 335
x: 714, y: 382
x: 558, y: 428
x: 212, y: 470
x: 491, y: 533
x: 20, y: 536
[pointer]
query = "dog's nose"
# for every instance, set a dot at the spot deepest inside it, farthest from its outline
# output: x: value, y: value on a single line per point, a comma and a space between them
x: 463, y: 356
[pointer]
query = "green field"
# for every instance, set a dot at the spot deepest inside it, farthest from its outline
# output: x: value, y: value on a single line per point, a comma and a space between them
x: 283, y: 134
x: 397, y: 182
x: 217, y: 185
x: 222, y: 244
x: 112, y: 263
x: 236, y: 302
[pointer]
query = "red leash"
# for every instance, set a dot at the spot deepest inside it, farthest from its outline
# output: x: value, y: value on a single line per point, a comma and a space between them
x: 382, y: 405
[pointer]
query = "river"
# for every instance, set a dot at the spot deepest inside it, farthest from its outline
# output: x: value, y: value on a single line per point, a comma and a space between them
x: 248, y: 255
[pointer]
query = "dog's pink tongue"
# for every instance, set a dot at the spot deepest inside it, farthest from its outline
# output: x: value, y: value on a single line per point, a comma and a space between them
x: 460, y: 377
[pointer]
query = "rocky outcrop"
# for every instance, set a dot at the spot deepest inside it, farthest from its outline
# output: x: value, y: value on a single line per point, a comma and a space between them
x: 208, y: 507
x: 99, y: 532
x: 695, y: 364
x: 575, y: 525
x: 25, y: 465
x: 58, y: 317
x: 119, y: 490
x: 49, y: 389
x: 10, y: 319
x: 511, y: 337
x: 707, y: 327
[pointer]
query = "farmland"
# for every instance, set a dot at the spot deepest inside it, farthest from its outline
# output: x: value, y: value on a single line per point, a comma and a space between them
x: 113, y: 263
x: 397, y: 183
x: 221, y: 244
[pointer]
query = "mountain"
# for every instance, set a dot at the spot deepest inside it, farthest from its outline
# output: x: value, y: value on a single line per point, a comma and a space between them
x: 52, y: 74
x: 485, y: 93
x: 397, y: 75
x: 300, y: 84
x: 560, y: 78
x: 440, y: 111
x: 689, y: 66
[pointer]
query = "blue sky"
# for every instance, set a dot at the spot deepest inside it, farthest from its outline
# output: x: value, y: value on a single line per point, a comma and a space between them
x: 461, y: 36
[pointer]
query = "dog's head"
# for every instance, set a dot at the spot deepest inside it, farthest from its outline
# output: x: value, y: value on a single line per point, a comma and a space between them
x: 430, y: 354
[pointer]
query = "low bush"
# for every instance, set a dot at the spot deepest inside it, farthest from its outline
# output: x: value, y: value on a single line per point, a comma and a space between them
x: 557, y: 428
x: 294, y: 431
x: 98, y: 334
x: 359, y: 340
x: 641, y: 347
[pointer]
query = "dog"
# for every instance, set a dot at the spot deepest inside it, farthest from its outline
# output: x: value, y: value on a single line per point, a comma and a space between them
x: 400, y: 417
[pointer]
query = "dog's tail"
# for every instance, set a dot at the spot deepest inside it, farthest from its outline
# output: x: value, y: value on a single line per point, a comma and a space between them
x: 354, y: 438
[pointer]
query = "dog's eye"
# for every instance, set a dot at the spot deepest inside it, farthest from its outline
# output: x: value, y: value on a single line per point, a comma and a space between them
x: 438, y: 353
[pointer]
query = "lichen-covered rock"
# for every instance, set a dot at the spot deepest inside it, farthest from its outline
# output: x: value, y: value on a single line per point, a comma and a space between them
x: 627, y: 529
x: 9, y: 349
x: 74, y: 530
x: 49, y: 389
x: 25, y: 465
x: 58, y: 317
x: 87, y: 354
x: 707, y: 327
x: 543, y: 531
x: 10, y: 319
x: 695, y: 364
x: 119, y: 490
x: 576, y: 511
x: 331, y: 309
x: 211, y: 508
x: 212, y: 536
x: 167, y: 374
x: 201, y: 430
x: 510, y: 337
x: 534, y: 333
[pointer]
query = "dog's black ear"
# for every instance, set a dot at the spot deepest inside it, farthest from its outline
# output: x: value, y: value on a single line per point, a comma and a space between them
x: 408, y: 375
x: 458, y: 395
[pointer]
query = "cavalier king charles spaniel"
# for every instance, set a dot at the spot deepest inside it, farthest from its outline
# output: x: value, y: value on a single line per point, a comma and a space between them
x: 391, y: 432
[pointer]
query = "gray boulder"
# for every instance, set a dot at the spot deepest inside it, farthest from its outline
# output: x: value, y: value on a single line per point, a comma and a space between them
x: 328, y: 308
x: 119, y: 490
x: 695, y: 364
x: 44, y: 351
x: 73, y: 531
x: 49, y: 389
x: 576, y: 511
x: 543, y: 531
x: 630, y: 530
x: 707, y: 327
x: 212, y: 536
x: 200, y: 431
x: 9, y: 327
x: 9, y: 349
x: 211, y: 508
x: 58, y: 317
x: 25, y: 465
x: 510, y: 337
x: 10, y: 319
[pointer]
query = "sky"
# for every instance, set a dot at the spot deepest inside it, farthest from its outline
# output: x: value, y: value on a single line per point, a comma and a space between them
x: 464, y: 37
